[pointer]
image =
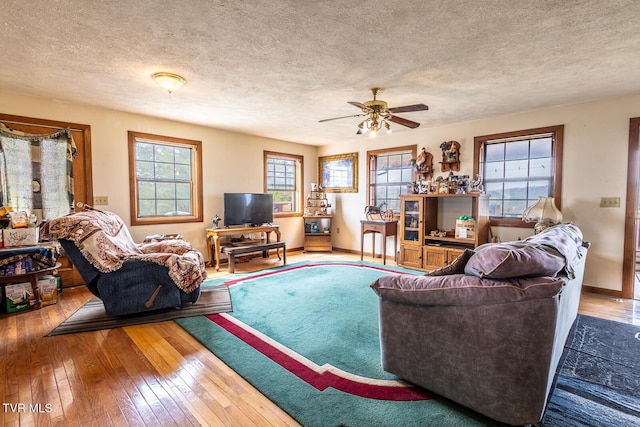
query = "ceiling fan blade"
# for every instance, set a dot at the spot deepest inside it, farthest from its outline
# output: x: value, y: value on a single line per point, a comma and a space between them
x: 359, y: 105
x: 408, y: 108
x: 343, y: 117
x: 404, y: 122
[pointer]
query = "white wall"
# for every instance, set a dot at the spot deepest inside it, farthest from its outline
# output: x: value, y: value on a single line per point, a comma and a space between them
x: 595, y: 165
x: 232, y: 162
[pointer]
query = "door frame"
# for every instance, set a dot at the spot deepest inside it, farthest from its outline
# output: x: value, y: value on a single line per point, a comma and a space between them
x: 630, y: 231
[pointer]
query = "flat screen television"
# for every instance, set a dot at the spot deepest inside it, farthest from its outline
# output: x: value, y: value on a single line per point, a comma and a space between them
x: 247, y: 209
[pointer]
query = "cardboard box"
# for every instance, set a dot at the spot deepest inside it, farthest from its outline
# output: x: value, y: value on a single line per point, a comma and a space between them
x: 17, y: 297
x: 465, y: 229
x: 20, y: 236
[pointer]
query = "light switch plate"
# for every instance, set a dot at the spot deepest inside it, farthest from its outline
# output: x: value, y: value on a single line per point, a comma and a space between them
x: 610, y: 202
x: 100, y: 200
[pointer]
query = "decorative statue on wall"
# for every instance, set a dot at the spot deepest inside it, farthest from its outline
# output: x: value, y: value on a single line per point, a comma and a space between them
x: 423, y: 165
x: 450, y: 156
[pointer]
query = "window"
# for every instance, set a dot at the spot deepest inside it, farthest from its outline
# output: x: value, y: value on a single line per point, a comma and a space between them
x: 36, y: 172
x: 166, y: 179
x: 283, y: 179
x: 389, y: 175
x: 517, y: 168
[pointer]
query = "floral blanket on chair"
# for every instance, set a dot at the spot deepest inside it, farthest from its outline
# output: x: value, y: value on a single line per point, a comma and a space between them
x: 105, y: 242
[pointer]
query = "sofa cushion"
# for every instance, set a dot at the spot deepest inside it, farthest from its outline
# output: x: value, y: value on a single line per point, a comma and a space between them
x: 456, y: 267
x: 461, y: 289
x: 515, y: 259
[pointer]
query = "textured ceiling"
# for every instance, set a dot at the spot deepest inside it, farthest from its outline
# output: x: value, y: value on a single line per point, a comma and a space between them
x: 274, y: 68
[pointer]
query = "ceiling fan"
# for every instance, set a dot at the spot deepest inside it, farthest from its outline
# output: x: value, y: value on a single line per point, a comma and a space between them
x: 378, y: 115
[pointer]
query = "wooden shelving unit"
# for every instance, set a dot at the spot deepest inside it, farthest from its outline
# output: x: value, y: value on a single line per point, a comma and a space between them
x: 420, y: 214
x: 318, y: 223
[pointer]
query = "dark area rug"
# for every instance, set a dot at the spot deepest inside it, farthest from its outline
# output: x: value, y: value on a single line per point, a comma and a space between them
x: 92, y: 317
x: 598, y: 382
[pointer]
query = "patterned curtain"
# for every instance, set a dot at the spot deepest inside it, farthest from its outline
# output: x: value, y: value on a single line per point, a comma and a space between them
x: 36, y: 172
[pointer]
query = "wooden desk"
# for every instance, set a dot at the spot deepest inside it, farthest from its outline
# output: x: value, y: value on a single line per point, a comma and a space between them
x: 31, y: 277
x: 386, y: 228
x: 214, y: 235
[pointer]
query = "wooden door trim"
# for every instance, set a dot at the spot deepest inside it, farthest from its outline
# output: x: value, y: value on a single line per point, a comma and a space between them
x: 633, y: 175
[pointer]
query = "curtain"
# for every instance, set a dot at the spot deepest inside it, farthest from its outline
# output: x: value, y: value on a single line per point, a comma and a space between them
x: 36, y: 172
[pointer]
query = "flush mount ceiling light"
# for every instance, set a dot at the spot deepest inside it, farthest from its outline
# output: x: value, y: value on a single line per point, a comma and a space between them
x: 169, y: 81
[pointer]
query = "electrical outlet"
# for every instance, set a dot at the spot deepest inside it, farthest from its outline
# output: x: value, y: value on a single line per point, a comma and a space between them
x: 337, y: 230
x: 609, y: 202
x: 100, y: 200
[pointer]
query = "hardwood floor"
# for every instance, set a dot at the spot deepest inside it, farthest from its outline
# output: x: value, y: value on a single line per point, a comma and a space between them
x: 153, y: 374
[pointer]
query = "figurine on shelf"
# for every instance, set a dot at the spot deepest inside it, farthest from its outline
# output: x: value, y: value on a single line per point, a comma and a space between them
x: 216, y: 221
x: 475, y: 186
x: 423, y: 165
x: 371, y: 210
x: 463, y: 184
x: 450, y: 156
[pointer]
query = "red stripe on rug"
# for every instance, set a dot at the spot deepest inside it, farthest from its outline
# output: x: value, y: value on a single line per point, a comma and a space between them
x: 320, y: 380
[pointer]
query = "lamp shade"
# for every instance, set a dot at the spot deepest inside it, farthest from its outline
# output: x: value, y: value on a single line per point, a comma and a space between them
x: 543, y: 210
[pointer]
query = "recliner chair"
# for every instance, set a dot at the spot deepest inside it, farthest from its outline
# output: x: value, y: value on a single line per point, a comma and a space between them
x: 128, y: 277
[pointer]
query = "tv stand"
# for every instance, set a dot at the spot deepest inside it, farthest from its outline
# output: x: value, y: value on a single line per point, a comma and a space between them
x: 214, y: 234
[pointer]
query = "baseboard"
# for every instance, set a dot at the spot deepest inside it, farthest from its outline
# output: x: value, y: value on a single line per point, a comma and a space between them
x: 365, y: 255
x: 602, y: 291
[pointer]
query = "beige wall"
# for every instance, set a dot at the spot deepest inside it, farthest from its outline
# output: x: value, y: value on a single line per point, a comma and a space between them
x: 595, y: 165
x: 232, y: 162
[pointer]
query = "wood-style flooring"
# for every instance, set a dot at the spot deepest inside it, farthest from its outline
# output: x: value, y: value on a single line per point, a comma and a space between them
x: 147, y: 375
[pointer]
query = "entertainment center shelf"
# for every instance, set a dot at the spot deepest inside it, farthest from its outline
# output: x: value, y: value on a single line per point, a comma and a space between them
x: 429, y: 237
x: 453, y: 240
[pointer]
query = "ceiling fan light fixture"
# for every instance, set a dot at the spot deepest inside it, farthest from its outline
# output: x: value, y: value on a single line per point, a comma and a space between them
x: 169, y: 81
x: 378, y: 115
x: 374, y: 128
x: 363, y: 127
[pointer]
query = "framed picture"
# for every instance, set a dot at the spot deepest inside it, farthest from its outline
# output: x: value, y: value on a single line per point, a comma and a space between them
x: 339, y: 173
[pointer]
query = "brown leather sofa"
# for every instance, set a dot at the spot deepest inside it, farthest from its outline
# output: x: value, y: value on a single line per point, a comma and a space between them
x: 487, y: 331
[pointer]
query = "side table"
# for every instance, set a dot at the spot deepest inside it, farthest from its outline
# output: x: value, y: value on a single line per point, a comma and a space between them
x: 385, y: 228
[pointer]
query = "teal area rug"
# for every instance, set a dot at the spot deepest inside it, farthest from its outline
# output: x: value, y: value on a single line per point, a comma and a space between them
x: 306, y: 335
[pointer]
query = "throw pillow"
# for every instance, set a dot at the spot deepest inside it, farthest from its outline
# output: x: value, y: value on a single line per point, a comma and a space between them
x: 456, y: 267
x: 510, y: 260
